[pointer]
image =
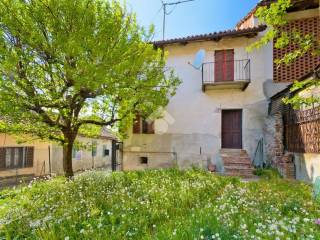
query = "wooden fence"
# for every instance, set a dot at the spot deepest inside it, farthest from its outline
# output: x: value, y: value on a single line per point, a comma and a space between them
x: 302, y: 130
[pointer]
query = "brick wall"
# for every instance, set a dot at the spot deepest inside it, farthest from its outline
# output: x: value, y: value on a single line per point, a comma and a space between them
x: 304, y: 64
x: 276, y: 156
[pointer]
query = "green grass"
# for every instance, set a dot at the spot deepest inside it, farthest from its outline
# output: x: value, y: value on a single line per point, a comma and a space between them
x: 159, y: 204
x: 267, y: 173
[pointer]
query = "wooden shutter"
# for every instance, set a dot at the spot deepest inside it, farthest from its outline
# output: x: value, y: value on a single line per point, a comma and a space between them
x: 19, y: 152
x: 136, y: 124
x: 151, y: 127
x: 2, y: 158
x: 147, y: 127
x: 218, y: 66
x: 229, y: 62
x: 224, y: 65
x: 29, y: 154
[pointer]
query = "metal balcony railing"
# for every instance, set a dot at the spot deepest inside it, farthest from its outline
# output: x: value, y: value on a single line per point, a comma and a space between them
x: 232, y: 73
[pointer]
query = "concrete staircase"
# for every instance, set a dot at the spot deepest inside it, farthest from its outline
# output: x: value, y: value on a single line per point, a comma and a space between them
x: 237, y: 163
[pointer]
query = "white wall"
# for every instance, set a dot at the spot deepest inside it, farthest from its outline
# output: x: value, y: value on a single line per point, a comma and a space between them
x: 194, y: 132
x: 83, y: 159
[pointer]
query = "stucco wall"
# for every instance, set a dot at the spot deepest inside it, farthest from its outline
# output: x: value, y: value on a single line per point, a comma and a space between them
x: 194, y: 129
x: 307, y: 166
x: 83, y: 158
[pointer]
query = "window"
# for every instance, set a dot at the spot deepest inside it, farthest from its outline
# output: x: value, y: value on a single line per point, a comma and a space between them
x: 105, y: 151
x: 94, y: 147
x: 144, y: 160
x: 76, y: 153
x: 143, y: 126
x: 16, y: 157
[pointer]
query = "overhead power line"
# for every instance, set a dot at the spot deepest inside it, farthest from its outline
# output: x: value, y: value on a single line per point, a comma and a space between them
x: 165, y: 13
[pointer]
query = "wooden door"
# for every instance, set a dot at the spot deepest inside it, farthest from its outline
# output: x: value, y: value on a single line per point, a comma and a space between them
x: 231, y: 129
x: 224, y: 65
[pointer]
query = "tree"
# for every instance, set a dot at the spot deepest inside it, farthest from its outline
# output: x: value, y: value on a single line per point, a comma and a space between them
x: 275, y: 16
x: 74, y: 66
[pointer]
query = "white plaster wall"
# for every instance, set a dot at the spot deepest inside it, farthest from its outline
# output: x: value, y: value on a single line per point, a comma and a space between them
x: 85, y: 159
x: 195, y: 132
x: 307, y: 166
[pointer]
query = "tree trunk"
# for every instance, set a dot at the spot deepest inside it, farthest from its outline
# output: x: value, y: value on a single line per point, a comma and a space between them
x: 67, y: 159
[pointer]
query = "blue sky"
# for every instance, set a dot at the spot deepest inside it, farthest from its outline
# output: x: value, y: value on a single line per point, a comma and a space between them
x: 200, y: 16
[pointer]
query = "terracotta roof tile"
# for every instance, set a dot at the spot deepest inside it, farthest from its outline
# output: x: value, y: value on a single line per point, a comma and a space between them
x: 213, y: 35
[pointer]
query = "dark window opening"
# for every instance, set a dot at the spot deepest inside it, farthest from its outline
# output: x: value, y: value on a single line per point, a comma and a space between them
x: 106, y: 152
x: 144, y: 160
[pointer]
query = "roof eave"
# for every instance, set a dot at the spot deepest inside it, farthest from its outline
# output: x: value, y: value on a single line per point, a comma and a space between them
x: 212, y: 36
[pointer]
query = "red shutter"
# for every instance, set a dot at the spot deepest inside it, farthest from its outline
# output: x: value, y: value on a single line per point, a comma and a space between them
x: 136, y: 125
x: 229, y: 60
x: 2, y: 158
x: 218, y: 66
x: 29, y: 156
x: 224, y: 65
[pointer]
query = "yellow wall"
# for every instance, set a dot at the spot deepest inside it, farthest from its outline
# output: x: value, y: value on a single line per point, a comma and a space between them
x: 41, y: 157
x: 40, y: 160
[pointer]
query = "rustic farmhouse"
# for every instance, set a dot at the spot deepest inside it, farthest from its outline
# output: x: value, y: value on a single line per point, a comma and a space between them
x: 220, y: 119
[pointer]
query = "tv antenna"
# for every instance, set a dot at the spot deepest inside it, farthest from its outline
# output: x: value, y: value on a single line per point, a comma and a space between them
x: 165, y: 13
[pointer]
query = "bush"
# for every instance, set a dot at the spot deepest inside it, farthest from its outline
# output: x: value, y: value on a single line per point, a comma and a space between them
x: 159, y: 204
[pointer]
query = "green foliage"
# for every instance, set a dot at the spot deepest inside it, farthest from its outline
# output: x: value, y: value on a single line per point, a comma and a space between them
x: 76, y: 62
x: 275, y: 16
x: 67, y: 65
x: 159, y: 204
x: 299, y: 100
x: 267, y: 173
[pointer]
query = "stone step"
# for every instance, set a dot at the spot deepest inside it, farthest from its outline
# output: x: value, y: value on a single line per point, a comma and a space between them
x: 244, y: 160
x: 234, y: 155
x: 237, y: 163
x: 240, y: 172
x: 238, y: 166
x: 233, y: 152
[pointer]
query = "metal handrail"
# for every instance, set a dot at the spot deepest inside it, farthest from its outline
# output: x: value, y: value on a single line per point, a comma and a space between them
x: 241, y: 71
x: 258, y: 159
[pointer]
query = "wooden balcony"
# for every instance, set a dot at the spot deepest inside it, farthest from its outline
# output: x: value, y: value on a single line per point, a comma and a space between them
x: 220, y: 75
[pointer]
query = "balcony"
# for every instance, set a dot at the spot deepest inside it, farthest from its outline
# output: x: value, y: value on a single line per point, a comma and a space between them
x: 233, y: 74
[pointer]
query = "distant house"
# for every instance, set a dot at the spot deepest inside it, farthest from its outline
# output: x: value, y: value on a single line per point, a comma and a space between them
x: 38, y: 158
x: 218, y: 118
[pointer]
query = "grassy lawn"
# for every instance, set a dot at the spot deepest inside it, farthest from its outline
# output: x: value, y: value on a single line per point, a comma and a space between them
x: 159, y: 204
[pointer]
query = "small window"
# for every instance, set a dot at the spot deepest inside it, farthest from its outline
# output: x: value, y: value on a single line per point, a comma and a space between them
x: 94, y: 147
x: 76, y: 153
x: 144, y: 160
x: 105, y: 151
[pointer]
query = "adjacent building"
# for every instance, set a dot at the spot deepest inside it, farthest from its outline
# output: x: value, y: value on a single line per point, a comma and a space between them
x: 38, y: 158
